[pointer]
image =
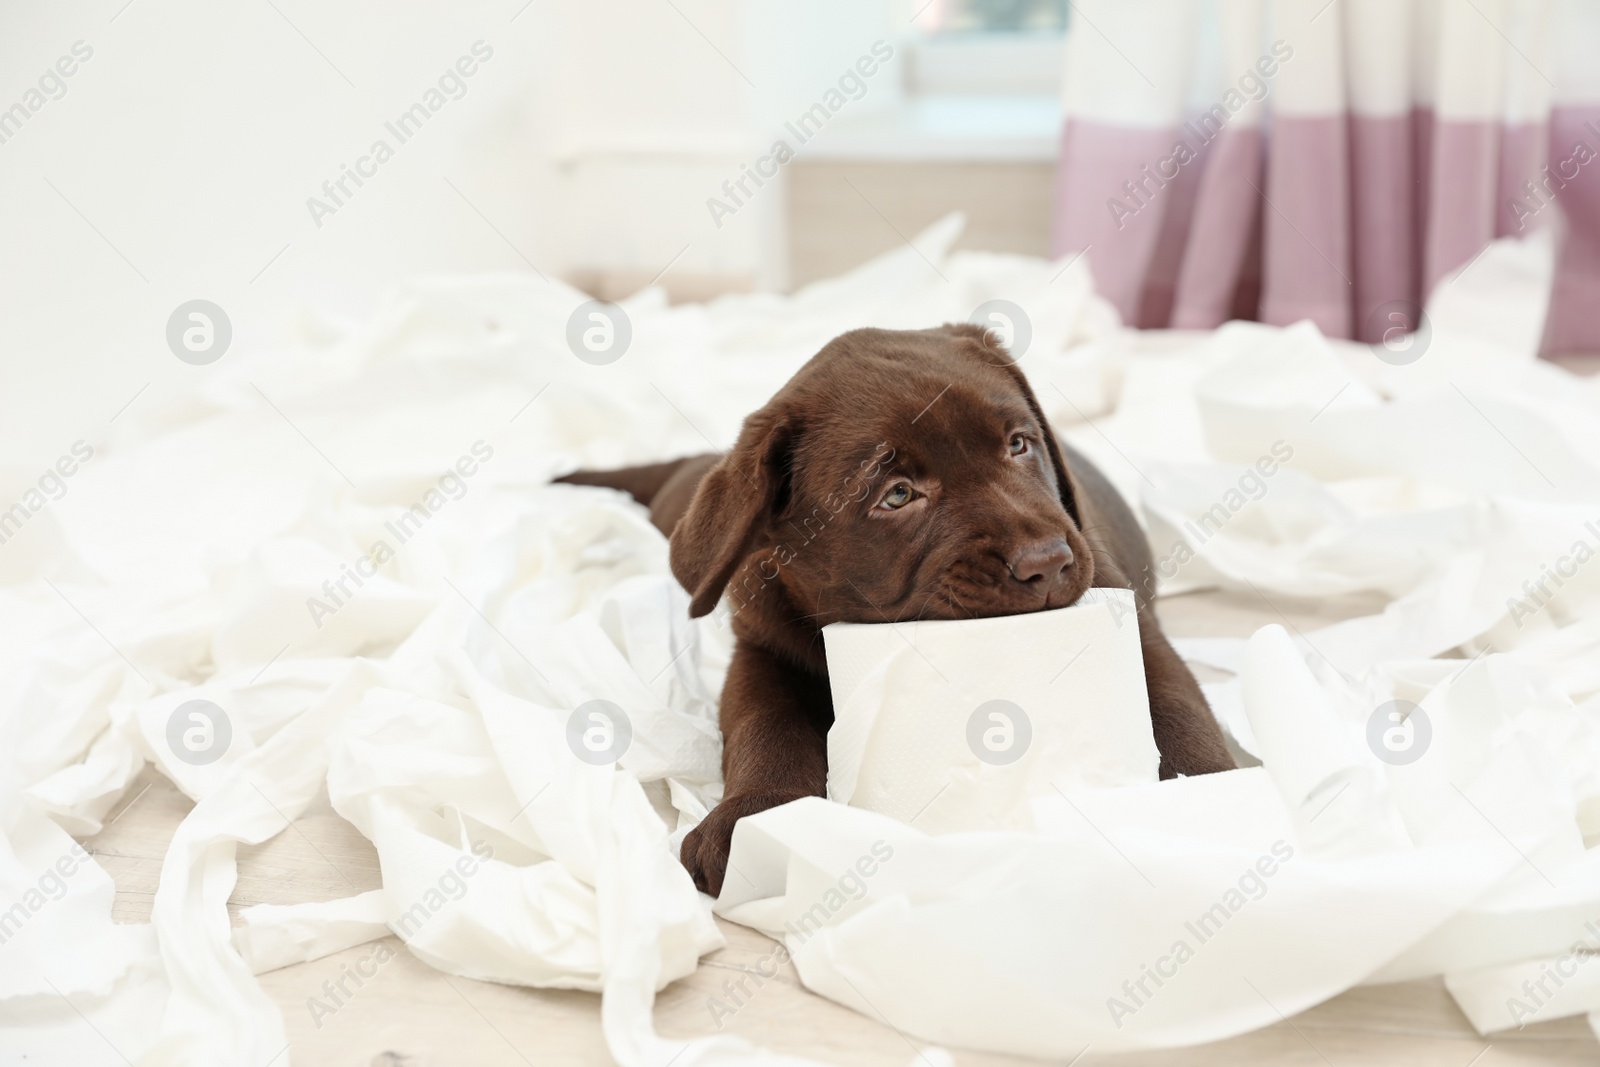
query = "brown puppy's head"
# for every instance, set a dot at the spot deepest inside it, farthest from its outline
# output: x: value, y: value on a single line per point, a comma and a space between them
x: 899, y: 475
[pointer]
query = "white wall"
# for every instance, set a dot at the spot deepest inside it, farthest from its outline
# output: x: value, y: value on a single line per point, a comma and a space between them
x: 646, y: 115
x: 194, y: 135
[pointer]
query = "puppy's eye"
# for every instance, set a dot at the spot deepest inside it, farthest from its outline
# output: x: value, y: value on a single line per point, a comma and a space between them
x: 1019, y: 444
x: 898, y: 497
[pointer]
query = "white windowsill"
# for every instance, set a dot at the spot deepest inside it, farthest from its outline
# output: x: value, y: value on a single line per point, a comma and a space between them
x: 946, y: 128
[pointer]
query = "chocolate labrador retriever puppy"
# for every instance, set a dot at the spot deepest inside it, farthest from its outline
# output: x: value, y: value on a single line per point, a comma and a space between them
x: 899, y: 475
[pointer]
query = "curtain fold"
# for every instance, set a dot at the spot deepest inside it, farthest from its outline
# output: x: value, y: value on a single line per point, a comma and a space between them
x: 1332, y: 161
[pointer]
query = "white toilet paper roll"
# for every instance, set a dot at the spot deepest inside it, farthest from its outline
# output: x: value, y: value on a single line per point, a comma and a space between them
x: 957, y: 725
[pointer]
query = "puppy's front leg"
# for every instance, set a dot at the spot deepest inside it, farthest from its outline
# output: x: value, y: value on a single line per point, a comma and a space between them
x: 775, y: 720
x: 1186, y: 732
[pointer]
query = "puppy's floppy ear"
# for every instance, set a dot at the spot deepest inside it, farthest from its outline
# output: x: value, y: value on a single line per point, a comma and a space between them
x: 732, y: 508
x: 992, y: 352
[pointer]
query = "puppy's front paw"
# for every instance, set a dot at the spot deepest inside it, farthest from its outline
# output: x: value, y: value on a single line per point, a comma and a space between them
x: 705, y: 849
x: 1189, y: 738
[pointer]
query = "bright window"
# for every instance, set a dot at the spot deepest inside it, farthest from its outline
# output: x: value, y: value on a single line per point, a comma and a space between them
x: 995, y: 16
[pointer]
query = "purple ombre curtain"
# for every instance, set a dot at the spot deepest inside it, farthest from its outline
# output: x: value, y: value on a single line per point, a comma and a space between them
x: 1331, y: 160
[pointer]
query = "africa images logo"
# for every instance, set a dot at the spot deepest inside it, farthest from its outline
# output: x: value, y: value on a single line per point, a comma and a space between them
x: 451, y: 85
x: 852, y: 84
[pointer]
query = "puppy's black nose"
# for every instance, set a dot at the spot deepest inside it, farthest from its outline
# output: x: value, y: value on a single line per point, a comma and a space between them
x: 1043, y: 561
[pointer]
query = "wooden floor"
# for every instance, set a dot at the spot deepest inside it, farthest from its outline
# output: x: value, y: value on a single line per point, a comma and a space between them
x: 410, y: 1015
